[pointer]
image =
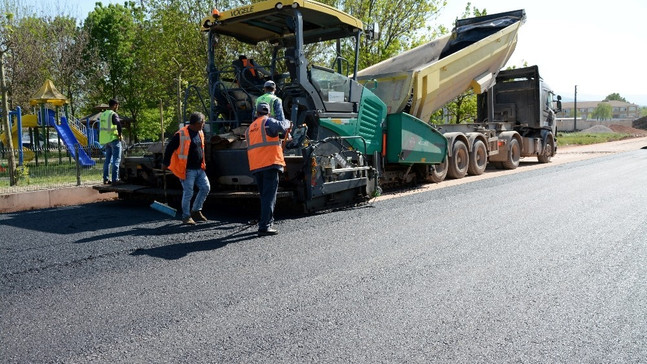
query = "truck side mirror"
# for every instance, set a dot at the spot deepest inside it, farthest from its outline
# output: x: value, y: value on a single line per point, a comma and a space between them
x: 373, y: 31
x: 559, y: 103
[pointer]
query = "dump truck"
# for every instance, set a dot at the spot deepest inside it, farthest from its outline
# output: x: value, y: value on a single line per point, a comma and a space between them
x: 353, y: 131
x: 515, y: 108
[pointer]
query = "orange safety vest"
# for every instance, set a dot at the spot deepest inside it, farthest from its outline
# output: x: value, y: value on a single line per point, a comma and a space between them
x: 181, y: 154
x: 262, y: 149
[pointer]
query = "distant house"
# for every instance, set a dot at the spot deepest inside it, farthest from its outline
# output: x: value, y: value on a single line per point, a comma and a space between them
x: 620, y: 110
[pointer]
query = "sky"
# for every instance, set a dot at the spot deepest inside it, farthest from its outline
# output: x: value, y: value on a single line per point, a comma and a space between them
x: 594, y: 46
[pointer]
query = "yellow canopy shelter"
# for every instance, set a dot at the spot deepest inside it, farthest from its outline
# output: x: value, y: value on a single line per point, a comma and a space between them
x: 48, y: 94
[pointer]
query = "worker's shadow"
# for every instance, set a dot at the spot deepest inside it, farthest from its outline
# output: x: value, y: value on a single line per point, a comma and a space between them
x: 180, y: 250
x: 174, y: 227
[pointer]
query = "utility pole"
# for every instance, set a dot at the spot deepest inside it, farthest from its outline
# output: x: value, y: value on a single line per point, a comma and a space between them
x: 6, y: 124
x: 575, y: 111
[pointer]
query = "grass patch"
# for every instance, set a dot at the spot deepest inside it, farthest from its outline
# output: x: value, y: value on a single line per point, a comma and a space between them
x: 57, y: 172
x: 580, y: 138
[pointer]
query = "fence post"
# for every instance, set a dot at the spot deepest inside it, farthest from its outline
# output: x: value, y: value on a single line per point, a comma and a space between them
x: 78, y: 165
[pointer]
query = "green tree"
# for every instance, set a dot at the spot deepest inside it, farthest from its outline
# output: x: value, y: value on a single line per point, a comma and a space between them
x: 6, y: 44
x: 48, y: 48
x: 399, y: 22
x: 113, y: 56
x: 603, y: 111
x: 462, y: 109
x: 615, y: 97
x: 28, y: 64
x: 113, y: 34
x: 178, y: 56
x: 66, y: 50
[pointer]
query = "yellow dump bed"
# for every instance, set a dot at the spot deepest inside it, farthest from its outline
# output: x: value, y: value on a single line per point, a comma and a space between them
x: 429, y: 76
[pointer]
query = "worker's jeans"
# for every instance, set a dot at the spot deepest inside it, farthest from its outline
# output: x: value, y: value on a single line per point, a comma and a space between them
x: 113, y: 156
x: 194, y: 177
x: 268, y: 185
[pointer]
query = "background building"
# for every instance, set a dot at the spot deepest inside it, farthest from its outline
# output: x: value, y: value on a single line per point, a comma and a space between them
x: 585, y: 109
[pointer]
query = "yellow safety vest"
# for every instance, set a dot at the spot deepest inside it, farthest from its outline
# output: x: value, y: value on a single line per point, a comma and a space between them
x: 107, y: 130
x: 267, y: 98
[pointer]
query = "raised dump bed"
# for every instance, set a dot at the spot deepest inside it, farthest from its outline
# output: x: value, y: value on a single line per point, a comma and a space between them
x: 423, y: 79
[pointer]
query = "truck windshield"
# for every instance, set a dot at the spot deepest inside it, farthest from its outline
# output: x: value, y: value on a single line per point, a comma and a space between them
x: 549, y: 100
x: 332, y: 86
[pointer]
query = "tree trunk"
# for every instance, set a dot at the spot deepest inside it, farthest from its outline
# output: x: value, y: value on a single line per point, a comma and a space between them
x: 5, y: 123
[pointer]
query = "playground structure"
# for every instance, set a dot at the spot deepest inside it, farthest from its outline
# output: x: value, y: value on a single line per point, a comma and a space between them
x: 74, y: 135
x: 28, y: 121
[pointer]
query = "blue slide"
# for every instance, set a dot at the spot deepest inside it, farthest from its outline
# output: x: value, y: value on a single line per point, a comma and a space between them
x: 70, y: 141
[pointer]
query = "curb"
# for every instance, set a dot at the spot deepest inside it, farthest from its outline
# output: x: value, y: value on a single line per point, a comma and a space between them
x: 43, y: 199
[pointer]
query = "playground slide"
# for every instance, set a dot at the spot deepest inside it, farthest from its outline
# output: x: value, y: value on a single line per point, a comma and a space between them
x: 78, y: 134
x: 27, y: 154
x: 67, y: 135
x: 64, y: 130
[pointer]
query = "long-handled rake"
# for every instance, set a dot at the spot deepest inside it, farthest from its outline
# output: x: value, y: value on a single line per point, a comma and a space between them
x: 158, y: 206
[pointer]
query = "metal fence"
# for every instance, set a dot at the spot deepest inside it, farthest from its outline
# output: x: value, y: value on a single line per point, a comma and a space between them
x: 52, y: 167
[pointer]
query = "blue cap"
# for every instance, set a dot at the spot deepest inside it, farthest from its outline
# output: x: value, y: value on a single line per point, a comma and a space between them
x: 263, y: 108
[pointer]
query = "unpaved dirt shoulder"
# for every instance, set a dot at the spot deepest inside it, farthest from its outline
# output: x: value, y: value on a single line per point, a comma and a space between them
x: 564, y: 155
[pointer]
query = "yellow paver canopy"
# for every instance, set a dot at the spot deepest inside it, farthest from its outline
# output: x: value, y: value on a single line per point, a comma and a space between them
x: 270, y: 21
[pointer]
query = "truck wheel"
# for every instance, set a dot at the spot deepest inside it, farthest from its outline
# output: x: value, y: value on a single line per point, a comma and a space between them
x: 478, y: 159
x: 438, y: 172
x: 514, y: 154
x: 459, y: 161
x: 547, y: 153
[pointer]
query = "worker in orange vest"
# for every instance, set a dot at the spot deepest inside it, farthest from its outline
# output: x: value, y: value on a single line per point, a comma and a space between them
x: 265, y: 155
x: 184, y: 156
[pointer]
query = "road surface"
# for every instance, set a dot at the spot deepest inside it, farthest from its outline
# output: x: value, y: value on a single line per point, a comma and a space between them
x: 543, y: 265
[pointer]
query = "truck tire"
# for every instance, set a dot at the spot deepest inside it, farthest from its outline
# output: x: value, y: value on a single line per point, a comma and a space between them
x: 514, y: 155
x: 478, y: 158
x: 547, y: 153
x: 458, y: 161
x: 438, y: 172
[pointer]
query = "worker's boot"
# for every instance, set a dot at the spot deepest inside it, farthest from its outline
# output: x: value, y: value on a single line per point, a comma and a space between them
x: 197, y: 216
x: 188, y: 221
x: 268, y: 232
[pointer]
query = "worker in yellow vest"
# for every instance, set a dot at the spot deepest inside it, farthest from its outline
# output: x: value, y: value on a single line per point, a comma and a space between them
x: 276, y: 105
x: 266, y: 162
x: 184, y: 156
x: 110, y: 138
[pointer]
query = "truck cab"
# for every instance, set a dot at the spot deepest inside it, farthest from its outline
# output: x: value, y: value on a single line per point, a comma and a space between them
x: 521, y: 99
